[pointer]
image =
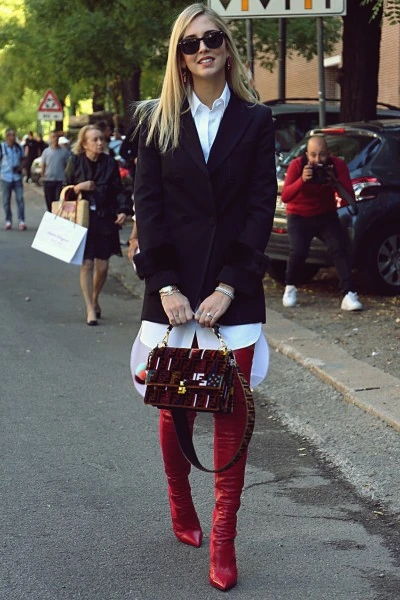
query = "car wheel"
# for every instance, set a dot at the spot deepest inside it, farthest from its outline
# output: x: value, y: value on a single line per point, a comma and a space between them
x: 383, y: 261
x: 277, y: 270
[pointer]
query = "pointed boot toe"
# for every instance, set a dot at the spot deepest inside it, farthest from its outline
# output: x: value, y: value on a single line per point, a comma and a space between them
x: 223, y: 578
x: 191, y: 537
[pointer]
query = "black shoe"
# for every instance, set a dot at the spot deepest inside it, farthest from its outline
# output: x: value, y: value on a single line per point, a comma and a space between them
x: 98, y: 313
x: 91, y: 323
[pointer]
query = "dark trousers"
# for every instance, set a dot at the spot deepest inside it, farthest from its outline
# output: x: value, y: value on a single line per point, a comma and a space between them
x: 327, y: 228
x: 52, y: 191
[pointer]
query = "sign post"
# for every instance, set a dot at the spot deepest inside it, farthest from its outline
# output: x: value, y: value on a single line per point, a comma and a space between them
x: 50, y: 108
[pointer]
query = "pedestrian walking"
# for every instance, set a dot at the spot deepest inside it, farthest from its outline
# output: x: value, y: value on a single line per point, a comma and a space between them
x: 205, y: 194
x: 54, y: 161
x: 309, y: 194
x: 95, y: 174
x: 11, y: 157
x: 32, y: 151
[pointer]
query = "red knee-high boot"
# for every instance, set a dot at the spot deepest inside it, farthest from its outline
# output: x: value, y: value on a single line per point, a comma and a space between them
x: 228, y: 431
x: 185, y: 522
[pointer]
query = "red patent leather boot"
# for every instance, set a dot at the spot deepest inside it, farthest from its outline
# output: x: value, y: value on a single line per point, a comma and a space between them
x: 228, y: 431
x: 185, y: 522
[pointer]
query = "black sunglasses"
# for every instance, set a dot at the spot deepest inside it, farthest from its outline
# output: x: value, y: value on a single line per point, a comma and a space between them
x: 212, y: 40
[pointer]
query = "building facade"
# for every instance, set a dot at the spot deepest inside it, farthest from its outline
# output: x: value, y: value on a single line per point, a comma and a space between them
x: 302, y: 75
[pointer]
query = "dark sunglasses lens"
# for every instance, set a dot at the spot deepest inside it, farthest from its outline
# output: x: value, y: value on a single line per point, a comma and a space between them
x: 189, y: 46
x: 214, y: 40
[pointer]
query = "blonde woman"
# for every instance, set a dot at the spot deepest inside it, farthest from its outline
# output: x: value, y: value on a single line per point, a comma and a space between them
x: 205, y: 194
x: 96, y: 176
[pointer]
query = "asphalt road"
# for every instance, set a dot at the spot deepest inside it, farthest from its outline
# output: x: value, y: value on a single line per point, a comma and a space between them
x: 83, y: 511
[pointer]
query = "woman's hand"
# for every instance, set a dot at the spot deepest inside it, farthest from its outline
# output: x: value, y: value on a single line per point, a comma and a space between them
x: 85, y: 186
x: 120, y: 220
x: 133, y: 246
x: 212, y: 308
x: 177, y: 308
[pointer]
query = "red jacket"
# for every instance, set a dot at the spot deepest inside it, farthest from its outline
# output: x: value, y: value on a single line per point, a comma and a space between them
x: 310, y: 199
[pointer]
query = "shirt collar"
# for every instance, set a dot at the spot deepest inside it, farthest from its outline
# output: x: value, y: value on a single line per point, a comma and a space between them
x: 195, y: 103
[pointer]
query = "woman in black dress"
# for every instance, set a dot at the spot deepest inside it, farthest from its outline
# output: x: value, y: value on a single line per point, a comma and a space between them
x: 95, y: 175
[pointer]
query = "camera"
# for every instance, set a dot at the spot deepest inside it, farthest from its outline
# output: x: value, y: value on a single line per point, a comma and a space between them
x: 17, y: 170
x: 320, y: 174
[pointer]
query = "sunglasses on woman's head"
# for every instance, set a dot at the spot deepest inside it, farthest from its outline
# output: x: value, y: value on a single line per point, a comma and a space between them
x: 212, y: 40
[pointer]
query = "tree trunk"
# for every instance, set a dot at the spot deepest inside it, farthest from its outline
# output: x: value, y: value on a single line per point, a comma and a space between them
x: 130, y: 90
x: 361, y: 51
x: 99, y: 98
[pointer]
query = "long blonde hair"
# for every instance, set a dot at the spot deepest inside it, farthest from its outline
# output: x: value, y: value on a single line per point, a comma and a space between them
x: 78, y: 146
x: 163, y: 114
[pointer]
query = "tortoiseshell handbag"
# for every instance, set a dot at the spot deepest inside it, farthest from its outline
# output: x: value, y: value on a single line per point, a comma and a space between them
x: 180, y: 379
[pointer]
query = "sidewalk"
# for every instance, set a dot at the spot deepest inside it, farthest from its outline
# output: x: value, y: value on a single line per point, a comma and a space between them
x: 367, y: 387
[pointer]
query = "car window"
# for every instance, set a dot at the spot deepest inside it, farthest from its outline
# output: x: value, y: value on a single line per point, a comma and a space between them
x: 291, y: 127
x: 287, y: 131
x: 355, y: 149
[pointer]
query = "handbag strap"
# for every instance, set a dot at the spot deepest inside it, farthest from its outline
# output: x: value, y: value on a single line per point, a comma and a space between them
x: 347, y: 196
x: 185, y: 437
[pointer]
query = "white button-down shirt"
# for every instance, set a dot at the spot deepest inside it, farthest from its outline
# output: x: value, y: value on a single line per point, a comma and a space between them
x: 207, y: 120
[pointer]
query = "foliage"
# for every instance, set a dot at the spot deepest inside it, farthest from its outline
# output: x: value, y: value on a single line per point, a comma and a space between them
x: 301, y: 38
x: 391, y: 9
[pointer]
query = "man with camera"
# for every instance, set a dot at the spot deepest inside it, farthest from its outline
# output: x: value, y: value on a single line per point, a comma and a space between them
x: 11, y: 155
x: 309, y: 195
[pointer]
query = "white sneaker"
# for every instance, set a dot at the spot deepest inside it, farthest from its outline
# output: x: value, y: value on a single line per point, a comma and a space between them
x: 290, y: 296
x: 351, y: 302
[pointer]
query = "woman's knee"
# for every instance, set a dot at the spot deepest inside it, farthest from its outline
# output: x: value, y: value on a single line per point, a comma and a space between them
x: 87, y: 266
x: 101, y: 265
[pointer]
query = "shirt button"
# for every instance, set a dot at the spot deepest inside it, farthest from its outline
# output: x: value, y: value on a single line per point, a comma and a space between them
x: 211, y: 220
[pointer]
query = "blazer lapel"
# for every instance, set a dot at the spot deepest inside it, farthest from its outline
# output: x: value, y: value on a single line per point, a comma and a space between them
x: 190, y: 139
x: 233, y: 125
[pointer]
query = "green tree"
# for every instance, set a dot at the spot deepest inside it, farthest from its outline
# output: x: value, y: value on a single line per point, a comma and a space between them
x: 300, y: 38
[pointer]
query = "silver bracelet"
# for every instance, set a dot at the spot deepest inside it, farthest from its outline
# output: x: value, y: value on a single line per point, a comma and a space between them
x: 168, y: 292
x: 228, y: 293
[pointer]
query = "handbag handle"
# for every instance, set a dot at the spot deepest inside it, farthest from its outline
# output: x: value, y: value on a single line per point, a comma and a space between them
x: 222, y: 344
x: 63, y: 198
x: 185, y: 438
x: 67, y: 190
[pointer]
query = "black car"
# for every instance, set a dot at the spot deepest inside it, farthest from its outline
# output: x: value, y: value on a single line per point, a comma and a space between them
x: 372, y: 154
x: 294, y: 117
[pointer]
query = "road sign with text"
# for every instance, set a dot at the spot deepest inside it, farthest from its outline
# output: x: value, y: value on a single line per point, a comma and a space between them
x: 50, y: 108
x: 255, y: 9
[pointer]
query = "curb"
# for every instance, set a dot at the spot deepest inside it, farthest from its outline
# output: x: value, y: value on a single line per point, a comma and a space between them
x: 369, y: 388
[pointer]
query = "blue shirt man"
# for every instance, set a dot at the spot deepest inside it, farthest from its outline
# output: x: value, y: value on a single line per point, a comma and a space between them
x: 11, y: 155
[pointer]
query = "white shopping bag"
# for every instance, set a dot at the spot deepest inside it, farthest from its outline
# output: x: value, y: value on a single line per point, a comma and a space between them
x: 60, y: 238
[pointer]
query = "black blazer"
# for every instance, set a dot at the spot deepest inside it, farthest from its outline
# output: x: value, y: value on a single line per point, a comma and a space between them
x: 203, y: 223
x: 109, y: 196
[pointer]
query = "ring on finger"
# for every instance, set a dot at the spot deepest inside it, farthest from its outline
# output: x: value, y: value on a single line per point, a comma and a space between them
x: 210, y: 315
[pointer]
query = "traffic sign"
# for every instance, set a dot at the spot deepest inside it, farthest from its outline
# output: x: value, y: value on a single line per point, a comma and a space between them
x: 255, y: 9
x: 50, y: 108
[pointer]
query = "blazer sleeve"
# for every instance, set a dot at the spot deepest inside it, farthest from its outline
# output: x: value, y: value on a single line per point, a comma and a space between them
x: 157, y: 260
x: 245, y: 262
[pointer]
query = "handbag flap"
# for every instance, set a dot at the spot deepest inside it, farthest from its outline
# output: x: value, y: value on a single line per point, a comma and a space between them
x: 198, y: 368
